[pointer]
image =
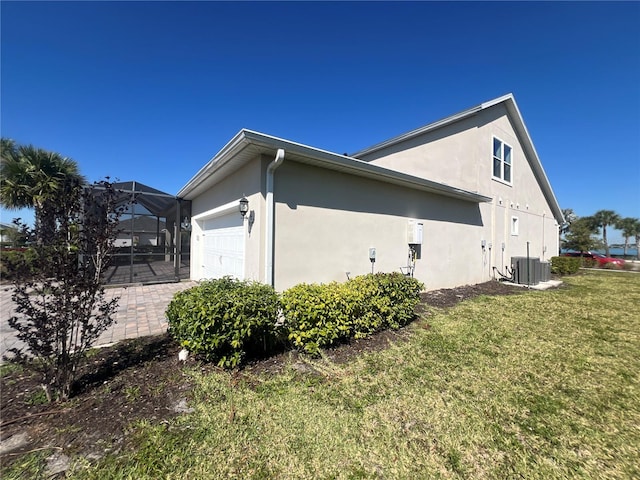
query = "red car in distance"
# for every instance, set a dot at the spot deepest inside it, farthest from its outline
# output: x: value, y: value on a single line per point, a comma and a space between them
x: 598, y: 257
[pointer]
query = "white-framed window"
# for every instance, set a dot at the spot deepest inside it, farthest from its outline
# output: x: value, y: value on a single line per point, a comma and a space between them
x: 502, y: 160
x: 514, y: 225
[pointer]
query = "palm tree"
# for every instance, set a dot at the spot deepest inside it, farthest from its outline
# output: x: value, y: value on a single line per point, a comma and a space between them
x: 13, y: 177
x: 33, y: 178
x: 629, y: 227
x: 634, y: 230
x: 605, y: 218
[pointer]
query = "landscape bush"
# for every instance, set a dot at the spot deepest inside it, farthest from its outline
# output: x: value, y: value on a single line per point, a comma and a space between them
x: 17, y: 263
x: 389, y: 298
x: 320, y: 315
x: 565, y: 265
x: 225, y: 319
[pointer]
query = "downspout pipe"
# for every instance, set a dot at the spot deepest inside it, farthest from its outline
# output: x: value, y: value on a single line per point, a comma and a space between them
x: 270, y: 217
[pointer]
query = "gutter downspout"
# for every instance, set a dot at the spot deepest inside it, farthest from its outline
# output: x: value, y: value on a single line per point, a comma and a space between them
x: 270, y: 218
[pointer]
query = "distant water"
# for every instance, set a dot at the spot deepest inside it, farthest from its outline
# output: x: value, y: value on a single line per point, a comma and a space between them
x: 617, y: 252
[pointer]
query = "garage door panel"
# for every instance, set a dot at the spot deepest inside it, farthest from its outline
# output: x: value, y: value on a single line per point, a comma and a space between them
x: 226, y: 221
x: 223, y: 247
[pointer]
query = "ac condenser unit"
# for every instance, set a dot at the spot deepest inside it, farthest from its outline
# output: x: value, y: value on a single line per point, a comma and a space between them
x: 526, y: 271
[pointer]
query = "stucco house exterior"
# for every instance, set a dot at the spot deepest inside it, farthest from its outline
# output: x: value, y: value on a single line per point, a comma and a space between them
x: 450, y: 202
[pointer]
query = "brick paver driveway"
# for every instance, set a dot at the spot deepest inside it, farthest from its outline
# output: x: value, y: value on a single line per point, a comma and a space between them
x: 140, y: 312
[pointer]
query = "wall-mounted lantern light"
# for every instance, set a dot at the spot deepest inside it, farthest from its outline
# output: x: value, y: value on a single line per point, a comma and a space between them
x: 244, y: 206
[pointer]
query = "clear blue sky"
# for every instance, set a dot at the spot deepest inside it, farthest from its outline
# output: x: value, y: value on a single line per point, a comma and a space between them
x: 151, y: 91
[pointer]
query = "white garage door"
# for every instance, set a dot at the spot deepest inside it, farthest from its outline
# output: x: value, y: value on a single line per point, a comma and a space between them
x: 223, y: 247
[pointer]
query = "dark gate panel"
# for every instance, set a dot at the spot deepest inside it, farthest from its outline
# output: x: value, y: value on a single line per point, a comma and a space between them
x: 153, y: 243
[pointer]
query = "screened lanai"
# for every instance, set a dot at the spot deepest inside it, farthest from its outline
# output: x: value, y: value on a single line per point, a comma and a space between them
x: 153, y: 239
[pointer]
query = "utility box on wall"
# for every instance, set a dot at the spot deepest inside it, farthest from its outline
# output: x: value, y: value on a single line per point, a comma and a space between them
x: 414, y: 232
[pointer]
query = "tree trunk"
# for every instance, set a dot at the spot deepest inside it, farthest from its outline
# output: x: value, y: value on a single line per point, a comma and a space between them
x: 604, y: 238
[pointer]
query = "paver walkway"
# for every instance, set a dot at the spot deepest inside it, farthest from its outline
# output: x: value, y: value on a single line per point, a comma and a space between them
x: 140, y: 312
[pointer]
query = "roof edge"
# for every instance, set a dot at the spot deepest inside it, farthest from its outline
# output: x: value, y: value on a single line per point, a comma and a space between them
x: 362, y: 168
x: 331, y: 160
x: 223, y: 155
x: 433, y: 126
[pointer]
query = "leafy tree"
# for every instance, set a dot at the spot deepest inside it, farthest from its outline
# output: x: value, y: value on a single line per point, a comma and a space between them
x: 629, y: 227
x: 581, y: 235
x: 569, y: 217
x: 61, y: 308
x: 604, y: 219
x: 32, y: 177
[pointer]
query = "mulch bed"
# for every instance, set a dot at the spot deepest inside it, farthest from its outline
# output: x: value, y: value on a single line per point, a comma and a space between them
x: 143, y: 379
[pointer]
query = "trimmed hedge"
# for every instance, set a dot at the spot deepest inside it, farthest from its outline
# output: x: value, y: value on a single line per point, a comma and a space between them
x: 225, y: 319
x: 565, y: 265
x: 318, y: 316
x: 390, y: 297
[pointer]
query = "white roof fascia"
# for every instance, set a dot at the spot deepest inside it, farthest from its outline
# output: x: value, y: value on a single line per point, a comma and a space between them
x: 520, y: 127
x: 536, y: 164
x: 323, y: 158
x: 361, y: 168
x: 217, y: 160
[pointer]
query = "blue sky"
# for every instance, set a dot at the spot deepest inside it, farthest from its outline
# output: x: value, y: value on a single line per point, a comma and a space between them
x: 150, y: 91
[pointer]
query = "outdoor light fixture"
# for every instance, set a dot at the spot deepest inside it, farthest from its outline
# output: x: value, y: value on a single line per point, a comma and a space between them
x: 244, y: 206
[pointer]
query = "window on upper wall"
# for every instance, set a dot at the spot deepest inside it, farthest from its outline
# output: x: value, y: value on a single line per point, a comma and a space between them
x: 501, y: 160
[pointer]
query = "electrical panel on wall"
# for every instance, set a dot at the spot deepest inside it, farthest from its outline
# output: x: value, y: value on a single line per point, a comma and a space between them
x: 414, y: 232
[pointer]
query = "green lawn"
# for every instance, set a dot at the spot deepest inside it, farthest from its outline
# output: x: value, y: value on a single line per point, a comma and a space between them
x: 539, y: 385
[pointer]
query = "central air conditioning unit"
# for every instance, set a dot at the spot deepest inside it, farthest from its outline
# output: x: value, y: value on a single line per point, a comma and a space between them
x: 530, y: 271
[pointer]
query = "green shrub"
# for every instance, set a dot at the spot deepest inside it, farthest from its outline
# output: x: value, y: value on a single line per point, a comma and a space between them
x: 225, y: 319
x: 17, y: 264
x: 389, y: 301
x: 565, y: 265
x: 318, y: 316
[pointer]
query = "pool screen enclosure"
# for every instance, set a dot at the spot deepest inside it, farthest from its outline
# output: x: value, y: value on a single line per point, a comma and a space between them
x: 153, y: 239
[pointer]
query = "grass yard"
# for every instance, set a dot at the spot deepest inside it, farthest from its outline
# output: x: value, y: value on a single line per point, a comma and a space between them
x: 538, y: 385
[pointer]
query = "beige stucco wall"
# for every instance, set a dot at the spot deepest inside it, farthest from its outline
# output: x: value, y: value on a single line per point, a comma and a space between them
x: 327, y: 221
x: 448, y: 155
x: 460, y: 155
x: 245, y: 181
